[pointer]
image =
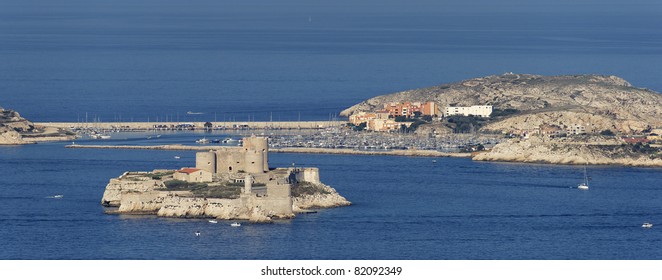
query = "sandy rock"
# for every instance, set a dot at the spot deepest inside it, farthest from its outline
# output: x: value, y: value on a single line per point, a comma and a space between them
x: 564, y: 151
x: 319, y: 200
x: 613, y: 102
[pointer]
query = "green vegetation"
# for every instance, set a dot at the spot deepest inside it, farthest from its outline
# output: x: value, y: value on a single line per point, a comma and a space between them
x: 503, y: 112
x: 644, y: 148
x: 466, y: 124
x: 218, y: 191
x: 179, y: 185
x: 607, y: 133
x: 635, y: 150
x: 228, y: 191
x: 160, y: 175
x: 359, y: 127
x: 306, y: 188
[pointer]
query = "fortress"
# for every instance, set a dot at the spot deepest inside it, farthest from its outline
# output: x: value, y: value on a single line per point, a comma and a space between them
x: 211, y: 189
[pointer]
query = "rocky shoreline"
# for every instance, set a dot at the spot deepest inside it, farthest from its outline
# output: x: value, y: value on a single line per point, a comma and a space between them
x: 557, y: 151
x: 16, y: 130
x: 139, y: 195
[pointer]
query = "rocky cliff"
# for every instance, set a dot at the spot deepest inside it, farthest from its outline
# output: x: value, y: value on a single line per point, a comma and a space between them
x: 16, y: 130
x: 138, y: 193
x: 607, y: 102
x: 323, y: 197
x: 11, y: 124
x: 574, y: 150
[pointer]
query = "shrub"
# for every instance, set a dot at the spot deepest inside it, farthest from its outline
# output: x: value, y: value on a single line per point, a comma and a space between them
x: 607, y: 133
x: 176, y: 184
x: 503, y: 112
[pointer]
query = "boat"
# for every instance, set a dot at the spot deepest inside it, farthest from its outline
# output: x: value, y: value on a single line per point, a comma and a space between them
x: 235, y: 224
x: 647, y: 225
x: 434, y: 161
x: 230, y: 140
x: 197, y: 233
x: 213, y: 221
x: 177, y: 157
x: 194, y: 113
x: 202, y: 141
x: 584, y: 185
x: 57, y: 196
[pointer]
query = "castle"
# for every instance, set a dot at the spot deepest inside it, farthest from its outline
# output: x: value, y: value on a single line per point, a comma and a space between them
x: 263, y: 189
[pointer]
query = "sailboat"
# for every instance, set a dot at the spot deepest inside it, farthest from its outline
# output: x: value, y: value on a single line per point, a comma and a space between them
x: 584, y: 185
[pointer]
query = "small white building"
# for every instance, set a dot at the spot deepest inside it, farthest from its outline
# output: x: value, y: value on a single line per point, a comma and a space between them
x: 477, y: 110
x: 193, y: 175
x: 577, y: 129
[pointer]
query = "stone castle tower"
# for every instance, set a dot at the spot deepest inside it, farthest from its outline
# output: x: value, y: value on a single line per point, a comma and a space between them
x: 251, y: 158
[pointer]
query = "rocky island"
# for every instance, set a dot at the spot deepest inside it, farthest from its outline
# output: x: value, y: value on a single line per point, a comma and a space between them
x: 226, y: 183
x: 570, y: 119
x: 16, y: 130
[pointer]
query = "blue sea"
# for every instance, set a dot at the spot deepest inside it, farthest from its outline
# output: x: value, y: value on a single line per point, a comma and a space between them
x: 403, y: 208
x: 287, y: 60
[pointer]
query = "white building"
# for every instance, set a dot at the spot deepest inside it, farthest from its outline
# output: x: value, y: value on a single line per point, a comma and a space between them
x: 477, y: 110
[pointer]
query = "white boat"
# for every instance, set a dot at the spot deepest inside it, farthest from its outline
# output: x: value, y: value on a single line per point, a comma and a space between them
x: 647, y: 225
x: 104, y: 136
x: 230, y: 140
x: 213, y: 221
x: 57, y: 196
x: 235, y: 224
x: 584, y: 185
x: 202, y: 141
x: 177, y: 157
x: 194, y: 113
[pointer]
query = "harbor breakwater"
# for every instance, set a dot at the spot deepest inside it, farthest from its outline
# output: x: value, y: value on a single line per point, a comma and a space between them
x: 413, y: 153
x: 194, y: 125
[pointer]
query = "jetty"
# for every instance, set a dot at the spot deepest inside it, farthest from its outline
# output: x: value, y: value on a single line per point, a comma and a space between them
x: 146, y: 126
x: 178, y: 147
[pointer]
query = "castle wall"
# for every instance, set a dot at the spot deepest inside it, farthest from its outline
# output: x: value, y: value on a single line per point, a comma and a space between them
x: 278, y: 199
x: 206, y: 161
x: 252, y: 157
x: 259, y: 144
x: 254, y: 161
x: 308, y: 174
x: 230, y: 160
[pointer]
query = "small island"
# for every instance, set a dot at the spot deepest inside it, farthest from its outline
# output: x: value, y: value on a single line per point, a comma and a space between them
x: 226, y: 183
x: 16, y: 130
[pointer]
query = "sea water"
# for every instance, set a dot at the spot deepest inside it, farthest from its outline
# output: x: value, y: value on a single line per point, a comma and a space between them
x: 403, y: 208
x: 78, y: 60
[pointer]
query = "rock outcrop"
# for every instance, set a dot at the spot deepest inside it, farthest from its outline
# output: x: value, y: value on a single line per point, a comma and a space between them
x: 607, y: 102
x: 572, y: 150
x: 325, y: 197
x: 139, y: 193
x: 16, y: 130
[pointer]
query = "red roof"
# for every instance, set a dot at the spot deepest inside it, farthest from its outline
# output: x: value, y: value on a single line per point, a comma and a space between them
x: 188, y: 170
x: 634, y: 140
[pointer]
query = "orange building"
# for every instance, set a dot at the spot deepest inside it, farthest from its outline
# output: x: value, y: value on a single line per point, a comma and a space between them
x: 408, y: 109
x: 364, y: 117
